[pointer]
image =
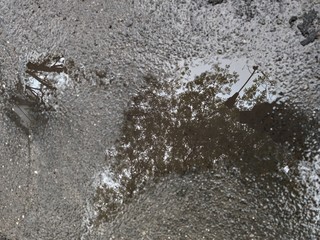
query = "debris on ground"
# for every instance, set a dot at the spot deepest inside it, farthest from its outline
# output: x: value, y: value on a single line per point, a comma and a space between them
x: 308, y: 28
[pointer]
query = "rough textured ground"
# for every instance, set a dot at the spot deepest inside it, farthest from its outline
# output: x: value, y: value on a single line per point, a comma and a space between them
x: 46, y: 179
x: 213, y: 205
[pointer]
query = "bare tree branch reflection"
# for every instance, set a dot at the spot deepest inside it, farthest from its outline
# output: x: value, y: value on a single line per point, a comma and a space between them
x: 193, y: 131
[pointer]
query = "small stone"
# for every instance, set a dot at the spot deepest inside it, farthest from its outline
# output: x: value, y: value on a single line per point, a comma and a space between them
x: 243, y: 201
x: 262, y: 21
x: 273, y: 29
x: 292, y: 20
x: 129, y: 23
x: 101, y: 73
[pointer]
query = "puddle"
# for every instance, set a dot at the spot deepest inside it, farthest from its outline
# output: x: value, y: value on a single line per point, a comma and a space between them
x: 45, y: 78
x: 182, y: 125
x: 34, y: 95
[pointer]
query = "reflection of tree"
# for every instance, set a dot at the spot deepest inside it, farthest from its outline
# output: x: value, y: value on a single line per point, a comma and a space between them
x: 35, y: 94
x: 39, y: 83
x: 166, y: 132
x: 230, y: 102
x: 194, y: 125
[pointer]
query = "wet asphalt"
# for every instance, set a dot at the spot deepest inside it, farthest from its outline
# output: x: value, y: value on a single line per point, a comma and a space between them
x: 47, y: 174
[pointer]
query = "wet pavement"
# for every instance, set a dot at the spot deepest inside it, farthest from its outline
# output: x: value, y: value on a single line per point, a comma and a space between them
x: 136, y: 146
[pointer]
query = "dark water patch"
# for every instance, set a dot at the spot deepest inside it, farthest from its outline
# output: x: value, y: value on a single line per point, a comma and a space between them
x: 192, y: 131
x: 283, y: 123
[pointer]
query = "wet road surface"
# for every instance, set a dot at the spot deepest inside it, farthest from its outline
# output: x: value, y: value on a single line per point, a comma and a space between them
x: 125, y: 155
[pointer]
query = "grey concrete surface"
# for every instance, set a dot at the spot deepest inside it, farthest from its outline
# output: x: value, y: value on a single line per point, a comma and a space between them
x: 47, y: 176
